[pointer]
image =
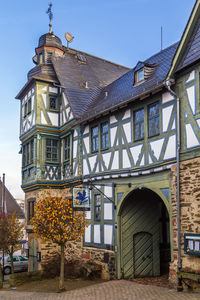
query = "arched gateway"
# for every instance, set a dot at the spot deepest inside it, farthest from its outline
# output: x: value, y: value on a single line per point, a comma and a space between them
x: 144, y: 235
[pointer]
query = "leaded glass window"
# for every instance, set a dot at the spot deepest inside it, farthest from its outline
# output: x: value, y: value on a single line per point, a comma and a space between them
x: 51, y: 150
x: 67, y: 146
x: 139, y: 124
x: 153, y: 119
x: 97, y: 207
x: 28, y: 152
x: 104, y: 136
x: 53, y: 102
x: 29, y: 107
x: 95, y: 139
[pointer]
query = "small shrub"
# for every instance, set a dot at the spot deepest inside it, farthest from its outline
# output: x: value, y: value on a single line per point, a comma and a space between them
x: 51, y: 267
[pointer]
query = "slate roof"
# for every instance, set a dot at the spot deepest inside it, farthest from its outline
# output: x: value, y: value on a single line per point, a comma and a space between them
x: 192, y: 52
x: 11, y: 203
x: 73, y: 74
x: 122, y: 90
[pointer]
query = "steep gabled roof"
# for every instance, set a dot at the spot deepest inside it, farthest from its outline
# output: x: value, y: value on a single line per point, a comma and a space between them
x: 11, y: 203
x: 73, y: 75
x: 123, y: 89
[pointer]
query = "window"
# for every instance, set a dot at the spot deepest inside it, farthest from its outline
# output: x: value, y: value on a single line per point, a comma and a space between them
x: 53, y: 103
x: 30, y: 211
x: 25, y: 109
x: 29, y: 107
x: 28, y: 153
x: 104, y: 136
x: 95, y: 139
x: 139, y: 124
x: 48, y: 57
x: 139, y: 76
x: 153, y: 119
x: 40, y: 58
x: 97, y: 207
x: 51, y: 150
x: 67, y: 148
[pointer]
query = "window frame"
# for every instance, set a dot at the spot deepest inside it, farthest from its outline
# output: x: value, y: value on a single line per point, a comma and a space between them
x: 98, y: 206
x: 96, y: 138
x: 51, y: 160
x: 104, y: 135
x: 137, y: 80
x: 55, y: 97
x: 67, y: 149
x: 30, y: 208
x: 138, y: 122
x: 28, y: 153
x: 153, y: 118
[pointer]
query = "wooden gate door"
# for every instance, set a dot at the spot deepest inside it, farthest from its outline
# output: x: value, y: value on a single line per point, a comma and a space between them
x: 143, y: 254
x: 33, y: 255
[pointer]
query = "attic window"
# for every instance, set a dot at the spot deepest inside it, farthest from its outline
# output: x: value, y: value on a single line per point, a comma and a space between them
x: 139, y: 76
x: 81, y: 58
x: 48, y: 57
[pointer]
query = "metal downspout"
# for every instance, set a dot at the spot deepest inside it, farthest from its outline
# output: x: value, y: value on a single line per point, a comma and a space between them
x: 168, y: 86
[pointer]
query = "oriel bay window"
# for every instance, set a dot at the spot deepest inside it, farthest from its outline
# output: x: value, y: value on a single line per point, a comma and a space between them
x: 52, y: 148
x: 153, y: 119
x: 139, y: 124
x: 28, y: 153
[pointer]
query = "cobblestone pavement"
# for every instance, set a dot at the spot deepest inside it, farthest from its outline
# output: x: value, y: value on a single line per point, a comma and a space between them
x: 112, y: 290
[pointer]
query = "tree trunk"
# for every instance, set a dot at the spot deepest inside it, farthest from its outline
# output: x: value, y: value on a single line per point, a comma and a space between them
x: 11, y: 260
x: 62, y: 265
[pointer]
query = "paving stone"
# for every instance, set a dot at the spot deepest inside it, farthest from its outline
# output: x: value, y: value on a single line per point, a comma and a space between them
x: 111, y: 290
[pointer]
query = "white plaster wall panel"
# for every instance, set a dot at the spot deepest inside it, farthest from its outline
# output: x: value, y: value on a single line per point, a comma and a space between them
x: 76, y: 170
x: 191, y: 139
x: 53, y: 118
x: 92, y: 161
x: 115, y: 163
x: 26, y: 97
x: 33, y: 91
x: 142, y: 161
x: 64, y: 118
x: 149, y: 159
x: 191, y: 98
x: 32, y: 102
x: 174, y: 124
x: 44, y: 89
x: 67, y: 112
x: 170, y: 151
x: 28, y: 126
x: 87, y: 144
x: 156, y: 147
x: 75, y: 133
x: 53, y: 90
x: 22, y: 111
x: 106, y: 159
x: 75, y: 145
x: 127, y: 114
x: 29, y: 93
x: 88, y: 234
x: 65, y: 100
x: 198, y: 122
x: 166, y: 116
x: 97, y: 168
x: 191, y: 76
x: 61, y: 120
x: 127, y: 131
x: 126, y: 160
x: 43, y: 120
x: 108, y: 234
x: 70, y: 115
x: 86, y: 129
x: 85, y: 167
x: 29, y: 118
x: 112, y: 135
x: 33, y: 119
x: 166, y: 97
x: 108, y: 211
x: 44, y: 99
x: 135, y: 151
x: 97, y: 234
x: 88, y: 215
x: 108, y: 191
x: 113, y: 119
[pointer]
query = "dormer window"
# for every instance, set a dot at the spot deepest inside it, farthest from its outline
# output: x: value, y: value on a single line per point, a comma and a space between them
x: 139, y: 76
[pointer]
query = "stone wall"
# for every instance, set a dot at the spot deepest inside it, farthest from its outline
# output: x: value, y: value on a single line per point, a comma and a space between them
x: 190, y: 211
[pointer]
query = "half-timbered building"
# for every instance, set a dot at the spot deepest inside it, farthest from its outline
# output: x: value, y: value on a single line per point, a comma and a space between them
x: 133, y: 137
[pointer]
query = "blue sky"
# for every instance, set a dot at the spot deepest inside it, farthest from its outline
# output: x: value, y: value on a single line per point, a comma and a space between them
x: 122, y: 31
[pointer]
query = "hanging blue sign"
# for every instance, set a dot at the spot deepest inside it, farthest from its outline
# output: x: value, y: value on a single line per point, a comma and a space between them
x: 81, y: 200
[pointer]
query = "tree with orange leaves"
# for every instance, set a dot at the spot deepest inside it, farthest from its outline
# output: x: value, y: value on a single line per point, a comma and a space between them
x: 11, y: 233
x: 55, y: 220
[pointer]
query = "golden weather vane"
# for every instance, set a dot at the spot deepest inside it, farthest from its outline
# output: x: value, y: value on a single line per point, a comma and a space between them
x: 49, y: 12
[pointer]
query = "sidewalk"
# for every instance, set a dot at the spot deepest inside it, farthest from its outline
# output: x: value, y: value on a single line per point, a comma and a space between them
x: 111, y: 290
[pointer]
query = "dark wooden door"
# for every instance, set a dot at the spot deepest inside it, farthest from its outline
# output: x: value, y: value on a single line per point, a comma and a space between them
x: 143, y: 254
